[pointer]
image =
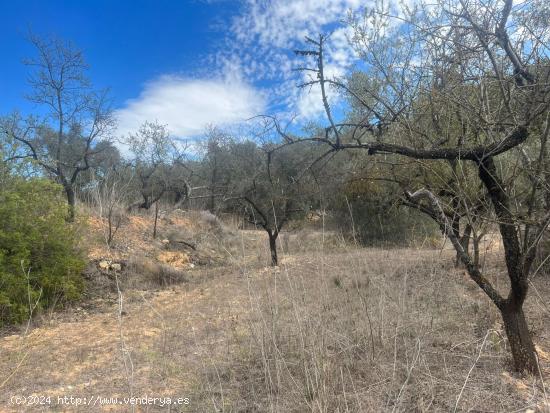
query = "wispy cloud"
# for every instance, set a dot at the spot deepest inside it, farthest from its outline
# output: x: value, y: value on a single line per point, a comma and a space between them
x: 279, y: 23
x: 258, y: 51
x: 273, y: 29
x: 188, y: 105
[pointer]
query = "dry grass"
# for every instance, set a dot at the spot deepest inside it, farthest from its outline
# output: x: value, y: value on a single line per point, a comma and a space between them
x: 377, y: 330
x: 333, y: 329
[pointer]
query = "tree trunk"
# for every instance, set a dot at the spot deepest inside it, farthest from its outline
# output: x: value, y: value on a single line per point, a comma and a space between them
x: 517, y: 264
x: 156, y: 220
x: 110, y: 227
x: 71, y: 201
x: 273, y: 248
x: 181, y: 201
x: 146, y: 204
x: 465, y: 242
x: 519, y: 337
x: 180, y: 198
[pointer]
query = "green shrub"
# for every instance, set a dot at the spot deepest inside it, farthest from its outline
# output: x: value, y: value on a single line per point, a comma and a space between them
x: 370, y: 213
x: 378, y: 224
x: 39, y: 263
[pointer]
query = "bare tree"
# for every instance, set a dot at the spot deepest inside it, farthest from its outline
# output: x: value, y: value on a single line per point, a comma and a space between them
x: 186, y: 184
x: 465, y: 84
x: 63, y: 142
x: 267, y: 187
x: 271, y: 216
x: 154, y: 153
x: 110, y: 195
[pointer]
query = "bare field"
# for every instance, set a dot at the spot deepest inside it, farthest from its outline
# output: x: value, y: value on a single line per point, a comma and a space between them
x: 345, y: 330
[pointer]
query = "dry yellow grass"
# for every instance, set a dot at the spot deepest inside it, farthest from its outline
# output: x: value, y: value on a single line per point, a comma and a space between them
x: 345, y: 330
x: 385, y: 330
x: 174, y: 258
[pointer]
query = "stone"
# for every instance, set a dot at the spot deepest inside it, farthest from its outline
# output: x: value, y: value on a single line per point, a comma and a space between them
x: 103, y: 265
x: 116, y: 267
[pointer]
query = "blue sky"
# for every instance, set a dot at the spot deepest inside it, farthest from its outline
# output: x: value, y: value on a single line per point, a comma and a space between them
x: 125, y: 43
x: 186, y: 63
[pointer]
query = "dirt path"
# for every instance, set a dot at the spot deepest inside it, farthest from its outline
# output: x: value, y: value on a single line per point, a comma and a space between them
x: 159, y: 346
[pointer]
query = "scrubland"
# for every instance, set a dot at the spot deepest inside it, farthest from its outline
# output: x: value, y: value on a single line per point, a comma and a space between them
x: 197, y: 313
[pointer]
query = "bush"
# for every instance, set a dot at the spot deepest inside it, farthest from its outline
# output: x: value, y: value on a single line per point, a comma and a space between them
x: 39, y: 263
x: 378, y: 222
x: 390, y: 225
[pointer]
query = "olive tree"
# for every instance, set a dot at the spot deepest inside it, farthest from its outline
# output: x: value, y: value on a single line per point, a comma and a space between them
x: 215, y: 166
x: 266, y: 187
x: 64, y: 140
x: 154, y: 152
x: 464, y: 84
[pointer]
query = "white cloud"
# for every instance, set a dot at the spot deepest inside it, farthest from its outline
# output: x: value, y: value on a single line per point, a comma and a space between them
x: 273, y: 29
x: 187, y: 106
x: 278, y: 23
x: 309, y: 103
x: 259, y: 48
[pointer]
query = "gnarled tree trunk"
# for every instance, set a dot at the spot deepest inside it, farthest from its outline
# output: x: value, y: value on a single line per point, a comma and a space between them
x: 273, y: 247
x: 518, y: 264
x: 465, y: 242
x: 71, y: 201
x: 519, y: 337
